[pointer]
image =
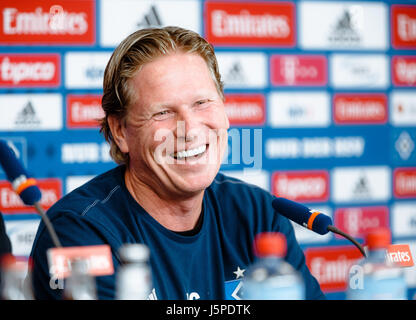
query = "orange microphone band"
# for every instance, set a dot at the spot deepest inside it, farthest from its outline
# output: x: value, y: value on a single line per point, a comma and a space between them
x: 312, y: 219
x: 24, y: 185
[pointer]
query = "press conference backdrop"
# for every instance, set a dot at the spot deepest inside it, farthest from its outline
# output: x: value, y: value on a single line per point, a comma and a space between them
x: 321, y: 96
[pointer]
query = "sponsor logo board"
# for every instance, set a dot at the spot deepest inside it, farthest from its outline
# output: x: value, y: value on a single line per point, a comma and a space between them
x: 403, y: 24
x: 302, y: 186
x: 250, y: 23
x: 30, y: 112
x: 369, y: 71
x: 357, y: 221
x: 404, y: 145
x: 404, y: 70
x: 73, y: 182
x: 299, y: 109
x: 315, y: 147
x: 404, y: 182
x: 145, y: 14
x: 361, y: 184
x: 343, y: 25
x: 404, y: 219
x: 243, y: 70
x: 10, y: 202
x: 331, y: 265
x: 403, y: 108
x: 400, y: 255
x: 27, y: 70
x: 255, y: 177
x: 298, y: 70
x: 85, y: 152
x: 85, y: 69
x: 355, y: 108
x: 83, y: 111
x: 245, y: 109
x: 22, y: 234
x: 56, y: 22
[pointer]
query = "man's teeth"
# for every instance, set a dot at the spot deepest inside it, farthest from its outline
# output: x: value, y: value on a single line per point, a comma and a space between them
x: 191, y: 152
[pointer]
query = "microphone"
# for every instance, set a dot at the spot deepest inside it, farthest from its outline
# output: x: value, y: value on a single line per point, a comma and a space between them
x: 24, y: 185
x: 311, y: 219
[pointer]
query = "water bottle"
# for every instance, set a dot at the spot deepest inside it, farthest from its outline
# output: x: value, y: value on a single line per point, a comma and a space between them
x: 271, y: 277
x: 134, y: 278
x: 376, y: 277
x: 80, y: 285
x: 16, y: 279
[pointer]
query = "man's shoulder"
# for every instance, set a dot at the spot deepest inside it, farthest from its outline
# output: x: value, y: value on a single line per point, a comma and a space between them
x: 95, y: 192
x: 228, y: 184
x: 86, y: 213
x: 227, y: 189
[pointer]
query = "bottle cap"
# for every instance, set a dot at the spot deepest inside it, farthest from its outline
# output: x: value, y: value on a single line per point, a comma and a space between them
x: 270, y: 244
x: 378, y: 238
x: 134, y: 252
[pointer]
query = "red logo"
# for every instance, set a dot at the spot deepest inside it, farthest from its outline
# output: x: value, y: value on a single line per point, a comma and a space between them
x: 297, y: 70
x: 400, y: 255
x: 403, y: 26
x: 303, y: 186
x: 331, y: 265
x: 22, y: 70
x: 10, y: 201
x: 358, y: 221
x: 404, y: 182
x: 404, y: 70
x: 83, y: 111
x: 250, y: 23
x: 49, y: 22
x: 360, y: 108
x: 245, y: 109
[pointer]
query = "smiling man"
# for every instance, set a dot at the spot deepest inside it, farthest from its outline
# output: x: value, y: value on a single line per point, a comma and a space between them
x: 167, y: 128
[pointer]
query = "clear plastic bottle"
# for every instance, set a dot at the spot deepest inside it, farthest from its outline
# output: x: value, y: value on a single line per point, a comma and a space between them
x: 16, y: 279
x: 375, y: 277
x: 80, y: 285
x: 134, y: 278
x: 271, y: 277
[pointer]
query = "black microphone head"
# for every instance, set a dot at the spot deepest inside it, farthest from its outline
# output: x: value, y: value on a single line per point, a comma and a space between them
x: 9, y: 162
x: 311, y: 219
x: 321, y: 223
x: 30, y: 194
x: 23, y: 185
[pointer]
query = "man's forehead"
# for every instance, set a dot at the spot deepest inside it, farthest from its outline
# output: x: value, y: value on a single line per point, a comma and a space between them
x: 173, y: 71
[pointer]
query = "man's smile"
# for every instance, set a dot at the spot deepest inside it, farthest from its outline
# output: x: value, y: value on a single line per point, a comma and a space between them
x: 194, y: 152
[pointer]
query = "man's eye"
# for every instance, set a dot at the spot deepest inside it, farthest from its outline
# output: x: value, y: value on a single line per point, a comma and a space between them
x: 202, y: 103
x: 162, y: 115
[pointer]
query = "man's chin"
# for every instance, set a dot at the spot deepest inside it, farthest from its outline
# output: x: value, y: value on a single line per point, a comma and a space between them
x: 193, y: 183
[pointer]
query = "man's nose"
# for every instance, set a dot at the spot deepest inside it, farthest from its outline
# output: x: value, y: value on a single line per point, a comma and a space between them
x: 186, y: 126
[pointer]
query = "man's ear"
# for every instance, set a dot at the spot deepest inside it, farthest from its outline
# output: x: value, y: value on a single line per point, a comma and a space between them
x: 118, y: 131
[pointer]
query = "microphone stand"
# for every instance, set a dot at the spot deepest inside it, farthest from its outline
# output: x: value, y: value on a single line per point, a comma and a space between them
x: 48, y: 224
x: 337, y: 231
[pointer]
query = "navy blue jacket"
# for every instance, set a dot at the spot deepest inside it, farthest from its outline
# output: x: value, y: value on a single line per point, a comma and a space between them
x: 200, y: 265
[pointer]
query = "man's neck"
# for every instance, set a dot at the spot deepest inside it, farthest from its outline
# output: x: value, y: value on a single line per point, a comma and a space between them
x: 174, y: 213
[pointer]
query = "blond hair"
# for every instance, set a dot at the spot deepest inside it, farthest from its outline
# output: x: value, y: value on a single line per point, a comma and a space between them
x: 139, y: 48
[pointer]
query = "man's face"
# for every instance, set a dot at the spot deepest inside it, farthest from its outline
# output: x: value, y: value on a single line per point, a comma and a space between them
x: 176, y: 127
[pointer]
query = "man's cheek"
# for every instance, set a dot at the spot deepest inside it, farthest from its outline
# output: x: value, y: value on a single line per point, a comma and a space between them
x: 165, y: 141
